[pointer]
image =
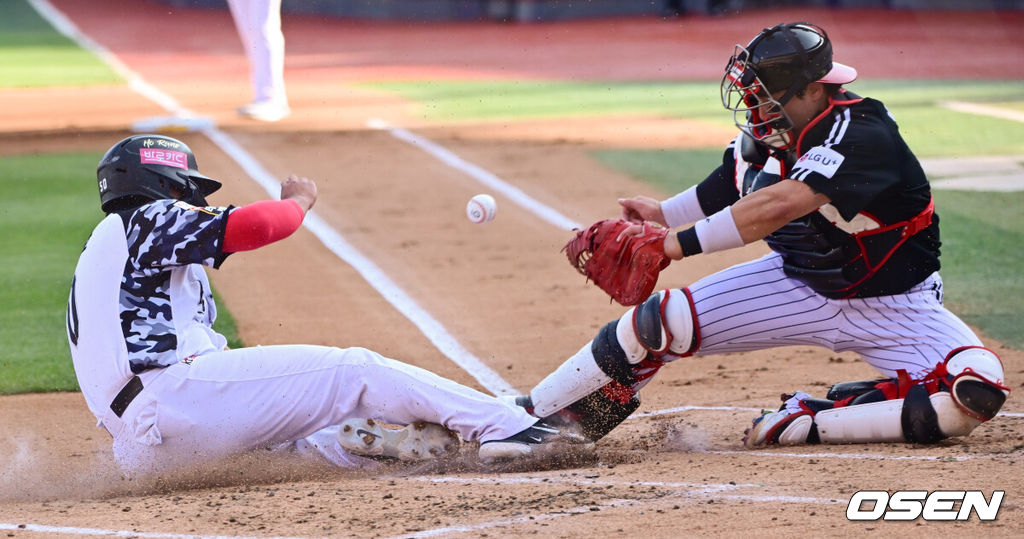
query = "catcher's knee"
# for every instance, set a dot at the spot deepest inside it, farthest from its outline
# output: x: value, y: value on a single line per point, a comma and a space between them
x: 977, y: 387
x: 664, y: 323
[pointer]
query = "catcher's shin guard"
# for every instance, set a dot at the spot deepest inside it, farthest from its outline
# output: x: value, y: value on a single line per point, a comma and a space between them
x: 963, y: 391
x: 596, y: 414
x: 596, y: 388
x: 578, y: 377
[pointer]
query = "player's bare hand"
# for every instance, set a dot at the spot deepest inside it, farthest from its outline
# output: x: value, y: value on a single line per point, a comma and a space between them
x: 632, y: 230
x: 671, y: 245
x: 640, y: 208
x: 299, y: 189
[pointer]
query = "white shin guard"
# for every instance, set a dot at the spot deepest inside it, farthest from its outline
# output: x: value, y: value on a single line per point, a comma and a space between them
x: 883, y: 421
x: 872, y: 422
x: 578, y: 377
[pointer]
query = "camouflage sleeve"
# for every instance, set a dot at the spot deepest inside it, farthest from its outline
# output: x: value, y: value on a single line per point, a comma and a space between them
x: 169, y: 233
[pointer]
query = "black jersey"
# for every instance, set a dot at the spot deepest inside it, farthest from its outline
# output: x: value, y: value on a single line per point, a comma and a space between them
x: 877, y: 236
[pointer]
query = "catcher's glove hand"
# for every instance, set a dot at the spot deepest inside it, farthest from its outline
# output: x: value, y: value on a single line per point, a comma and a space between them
x: 627, y: 270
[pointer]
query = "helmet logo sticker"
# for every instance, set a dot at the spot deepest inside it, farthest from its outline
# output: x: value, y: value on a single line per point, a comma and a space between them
x: 163, y: 157
x: 149, y: 143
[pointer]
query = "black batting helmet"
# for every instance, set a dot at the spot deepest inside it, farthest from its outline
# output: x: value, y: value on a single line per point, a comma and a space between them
x: 786, y: 57
x: 142, y: 168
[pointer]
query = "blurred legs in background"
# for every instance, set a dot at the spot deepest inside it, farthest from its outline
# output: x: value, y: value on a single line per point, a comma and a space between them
x: 259, y: 26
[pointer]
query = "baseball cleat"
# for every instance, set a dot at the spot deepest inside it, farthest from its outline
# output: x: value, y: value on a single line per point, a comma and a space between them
x: 525, y: 443
x: 265, y: 111
x: 790, y: 425
x: 417, y: 441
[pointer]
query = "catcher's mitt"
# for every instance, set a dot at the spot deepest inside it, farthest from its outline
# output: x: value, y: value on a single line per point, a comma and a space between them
x: 627, y: 270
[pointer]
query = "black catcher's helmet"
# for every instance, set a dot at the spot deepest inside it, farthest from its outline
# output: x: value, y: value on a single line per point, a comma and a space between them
x: 142, y: 168
x: 786, y: 57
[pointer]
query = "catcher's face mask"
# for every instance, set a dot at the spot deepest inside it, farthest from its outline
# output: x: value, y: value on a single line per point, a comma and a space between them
x: 763, y: 117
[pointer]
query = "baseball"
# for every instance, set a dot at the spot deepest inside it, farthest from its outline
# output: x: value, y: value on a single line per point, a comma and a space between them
x: 481, y: 209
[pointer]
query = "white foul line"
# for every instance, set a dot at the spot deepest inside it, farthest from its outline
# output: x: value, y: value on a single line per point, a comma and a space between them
x: 63, y: 25
x: 485, y: 177
x: 679, y: 409
x: 850, y: 456
x: 610, y: 504
x: 431, y: 328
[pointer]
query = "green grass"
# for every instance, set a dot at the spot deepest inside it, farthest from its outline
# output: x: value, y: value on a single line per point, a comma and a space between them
x: 33, y: 54
x: 672, y: 171
x: 982, y: 262
x: 48, y: 208
x: 225, y: 323
x: 930, y: 129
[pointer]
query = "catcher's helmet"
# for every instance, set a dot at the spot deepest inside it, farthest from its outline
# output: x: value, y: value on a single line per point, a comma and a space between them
x: 142, y: 168
x: 786, y: 57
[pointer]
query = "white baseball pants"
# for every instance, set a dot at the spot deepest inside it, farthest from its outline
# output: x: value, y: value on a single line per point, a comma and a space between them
x: 259, y: 26
x: 753, y: 306
x: 233, y: 401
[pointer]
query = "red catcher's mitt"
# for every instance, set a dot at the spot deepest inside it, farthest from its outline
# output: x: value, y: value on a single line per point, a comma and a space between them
x: 627, y: 270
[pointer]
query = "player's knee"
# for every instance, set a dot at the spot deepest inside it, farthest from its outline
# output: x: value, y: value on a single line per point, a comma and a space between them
x: 978, y: 386
x: 663, y: 323
x: 975, y: 394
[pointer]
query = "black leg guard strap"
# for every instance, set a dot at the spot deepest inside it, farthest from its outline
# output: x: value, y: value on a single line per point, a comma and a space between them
x: 610, y: 357
x: 596, y: 415
x: 875, y: 395
x: 845, y: 390
x: 920, y: 422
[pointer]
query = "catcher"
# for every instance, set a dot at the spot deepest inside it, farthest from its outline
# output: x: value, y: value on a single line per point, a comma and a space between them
x: 824, y: 177
x: 161, y: 381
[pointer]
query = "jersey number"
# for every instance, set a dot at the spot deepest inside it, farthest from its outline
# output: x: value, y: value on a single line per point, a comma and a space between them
x: 72, y: 315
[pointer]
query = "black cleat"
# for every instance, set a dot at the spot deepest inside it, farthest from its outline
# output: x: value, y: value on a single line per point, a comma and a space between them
x: 526, y: 443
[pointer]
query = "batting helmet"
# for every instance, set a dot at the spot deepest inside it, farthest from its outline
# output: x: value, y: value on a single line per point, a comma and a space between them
x: 142, y: 168
x: 786, y: 57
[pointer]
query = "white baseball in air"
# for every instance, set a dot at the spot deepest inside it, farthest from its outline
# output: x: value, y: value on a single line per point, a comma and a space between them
x: 481, y: 209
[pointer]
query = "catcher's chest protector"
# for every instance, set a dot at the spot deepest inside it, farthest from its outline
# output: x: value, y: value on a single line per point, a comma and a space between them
x: 831, y: 255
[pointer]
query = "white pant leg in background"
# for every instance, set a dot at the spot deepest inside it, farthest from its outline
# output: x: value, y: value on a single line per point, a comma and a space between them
x: 237, y: 400
x: 754, y: 306
x: 259, y: 27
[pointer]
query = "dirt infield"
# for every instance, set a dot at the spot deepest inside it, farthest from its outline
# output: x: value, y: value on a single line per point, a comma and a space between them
x: 503, y: 290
